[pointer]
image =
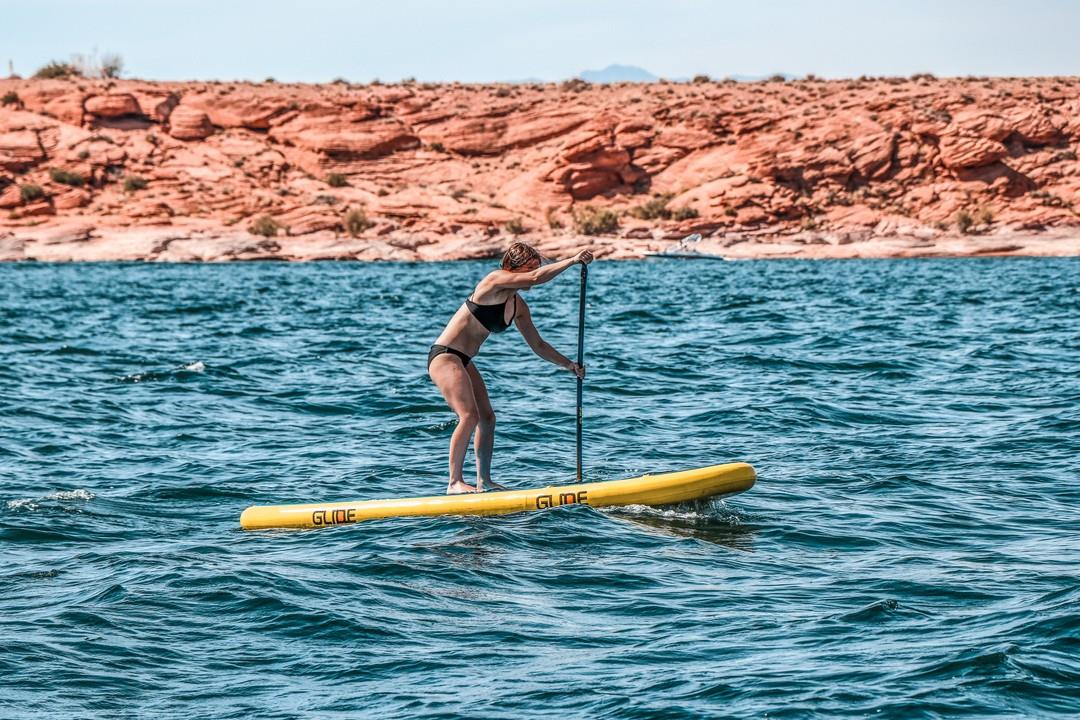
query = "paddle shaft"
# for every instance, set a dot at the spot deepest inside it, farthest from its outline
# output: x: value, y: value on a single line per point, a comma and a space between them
x: 580, y: 359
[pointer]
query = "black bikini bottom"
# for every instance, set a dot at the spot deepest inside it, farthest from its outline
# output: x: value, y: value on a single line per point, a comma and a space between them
x: 437, y: 350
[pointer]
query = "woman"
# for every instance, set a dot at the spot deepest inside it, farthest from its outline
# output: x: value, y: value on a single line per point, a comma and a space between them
x: 493, y: 307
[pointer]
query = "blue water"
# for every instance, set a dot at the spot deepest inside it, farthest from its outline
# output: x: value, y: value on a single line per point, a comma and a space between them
x: 911, y: 550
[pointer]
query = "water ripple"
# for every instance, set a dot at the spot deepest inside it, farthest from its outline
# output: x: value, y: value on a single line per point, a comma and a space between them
x: 909, y: 551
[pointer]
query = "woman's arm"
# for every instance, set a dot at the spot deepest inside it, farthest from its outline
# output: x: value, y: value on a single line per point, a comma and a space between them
x: 505, y: 279
x: 528, y: 331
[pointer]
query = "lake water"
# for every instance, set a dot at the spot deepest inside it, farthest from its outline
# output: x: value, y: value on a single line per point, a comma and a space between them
x: 911, y: 549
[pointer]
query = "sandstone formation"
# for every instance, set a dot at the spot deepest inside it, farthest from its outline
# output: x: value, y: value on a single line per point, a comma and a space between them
x: 96, y: 169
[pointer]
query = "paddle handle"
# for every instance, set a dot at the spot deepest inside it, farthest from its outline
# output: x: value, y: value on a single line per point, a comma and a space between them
x: 580, y: 359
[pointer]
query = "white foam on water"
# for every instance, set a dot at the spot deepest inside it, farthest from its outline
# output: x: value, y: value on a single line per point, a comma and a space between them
x: 711, y: 511
x: 79, y: 494
x: 34, y: 503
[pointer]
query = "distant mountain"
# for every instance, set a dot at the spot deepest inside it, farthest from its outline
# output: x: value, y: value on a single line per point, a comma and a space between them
x: 632, y: 73
x: 618, y: 73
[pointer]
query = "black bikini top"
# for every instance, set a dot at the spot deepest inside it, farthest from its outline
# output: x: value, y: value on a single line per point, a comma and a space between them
x: 492, y: 317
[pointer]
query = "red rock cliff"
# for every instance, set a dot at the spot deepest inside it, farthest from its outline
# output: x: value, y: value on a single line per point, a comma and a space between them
x: 131, y: 169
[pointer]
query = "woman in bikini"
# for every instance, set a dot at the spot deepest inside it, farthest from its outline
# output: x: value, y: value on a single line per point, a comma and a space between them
x: 495, y: 305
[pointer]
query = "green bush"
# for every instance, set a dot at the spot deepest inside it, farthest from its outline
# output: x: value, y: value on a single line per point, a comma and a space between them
x: 30, y: 193
x: 356, y: 221
x: 589, y: 220
x: 134, y: 183
x: 964, y: 221
x: 65, y: 177
x: 655, y: 209
x: 265, y: 226
x: 684, y: 213
x: 515, y: 227
x: 337, y: 180
x: 553, y: 220
x: 10, y: 98
x: 112, y: 65
x: 56, y: 69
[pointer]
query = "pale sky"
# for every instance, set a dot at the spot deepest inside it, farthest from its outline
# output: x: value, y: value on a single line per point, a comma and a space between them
x: 486, y: 40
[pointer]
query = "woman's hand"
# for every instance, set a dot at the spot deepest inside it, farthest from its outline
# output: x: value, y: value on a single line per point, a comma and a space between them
x: 584, y: 257
x: 578, y: 370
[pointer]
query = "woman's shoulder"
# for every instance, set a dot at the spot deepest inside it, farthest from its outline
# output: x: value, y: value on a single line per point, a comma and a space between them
x: 493, y: 284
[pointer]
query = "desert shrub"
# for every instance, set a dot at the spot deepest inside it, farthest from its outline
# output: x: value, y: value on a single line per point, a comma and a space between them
x: 30, y: 193
x: 84, y: 154
x: 336, y: 180
x: 553, y: 220
x: 112, y: 65
x: 502, y: 92
x: 438, y: 147
x: 65, y: 177
x: 590, y: 220
x: 778, y: 78
x: 655, y: 209
x: 269, y: 81
x: 343, y: 81
x: 985, y: 216
x: 382, y: 192
x: 684, y: 213
x: 458, y: 193
x: 923, y: 76
x: 356, y: 221
x: 515, y: 227
x: 700, y: 79
x: 574, y: 85
x: 963, y: 221
x: 54, y: 69
x: 134, y: 183
x: 10, y: 98
x: 326, y: 200
x: 265, y: 226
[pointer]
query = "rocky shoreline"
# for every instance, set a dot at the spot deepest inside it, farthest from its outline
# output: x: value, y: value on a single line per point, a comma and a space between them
x: 95, y: 170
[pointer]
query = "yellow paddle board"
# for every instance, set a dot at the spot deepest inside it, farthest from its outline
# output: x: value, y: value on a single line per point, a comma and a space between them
x: 664, y: 489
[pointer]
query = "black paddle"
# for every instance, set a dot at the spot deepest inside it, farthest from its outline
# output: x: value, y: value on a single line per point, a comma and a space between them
x: 580, y: 359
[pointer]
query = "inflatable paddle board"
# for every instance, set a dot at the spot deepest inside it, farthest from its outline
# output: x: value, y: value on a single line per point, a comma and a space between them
x: 663, y: 489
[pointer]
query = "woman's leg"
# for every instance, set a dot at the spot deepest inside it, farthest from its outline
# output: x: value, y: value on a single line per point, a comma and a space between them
x: 453, y: 381
x: 485, y: 431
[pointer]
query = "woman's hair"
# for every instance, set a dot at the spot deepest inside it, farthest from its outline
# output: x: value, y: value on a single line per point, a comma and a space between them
x: 517, y: 255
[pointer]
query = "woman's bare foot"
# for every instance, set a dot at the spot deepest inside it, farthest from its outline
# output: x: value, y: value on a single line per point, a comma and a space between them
x: 459, y: 487
x: 485, y: 485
